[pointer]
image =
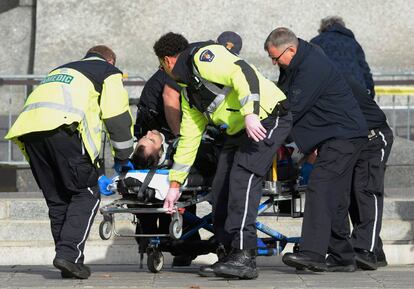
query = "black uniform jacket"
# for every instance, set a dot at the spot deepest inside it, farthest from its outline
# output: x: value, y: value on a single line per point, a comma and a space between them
x: 320, y: 100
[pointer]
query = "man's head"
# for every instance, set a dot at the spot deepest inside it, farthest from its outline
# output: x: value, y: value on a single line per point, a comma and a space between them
x: 231, y: 40
x: 281, y: 45
x: 167, y: 48
x: 329, y: 21
x: 104, y: 51
x: 148, y: 151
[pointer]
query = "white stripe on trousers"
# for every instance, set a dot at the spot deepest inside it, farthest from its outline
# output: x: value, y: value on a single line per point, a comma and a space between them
x: 374, y: 229
x: 246, y: 207
x: 87, y: 229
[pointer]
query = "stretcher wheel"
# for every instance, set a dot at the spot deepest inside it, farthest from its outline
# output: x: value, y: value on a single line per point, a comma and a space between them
x: 155, y: 261
x: 105, y: 229
x: 176, y: 226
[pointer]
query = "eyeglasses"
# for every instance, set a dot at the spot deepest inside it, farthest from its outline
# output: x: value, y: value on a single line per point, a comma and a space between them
x: 276, y: 59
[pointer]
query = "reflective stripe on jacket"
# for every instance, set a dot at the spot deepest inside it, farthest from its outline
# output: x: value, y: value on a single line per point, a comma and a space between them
x: 84, y: 92
x: 240, y: 90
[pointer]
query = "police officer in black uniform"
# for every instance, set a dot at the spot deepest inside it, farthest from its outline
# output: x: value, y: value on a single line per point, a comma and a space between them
x: 327, y: 118
x: 367, y: 200
x: 159, y: 107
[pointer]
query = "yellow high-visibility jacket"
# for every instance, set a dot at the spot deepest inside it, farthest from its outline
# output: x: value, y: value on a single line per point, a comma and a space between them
x: 89, y: 93
x: 240, y: 90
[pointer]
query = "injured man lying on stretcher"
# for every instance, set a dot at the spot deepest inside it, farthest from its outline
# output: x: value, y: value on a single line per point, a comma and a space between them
x: 151, y: 159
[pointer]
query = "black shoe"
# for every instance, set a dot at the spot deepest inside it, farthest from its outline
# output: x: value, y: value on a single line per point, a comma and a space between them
x: 365, y: 259
x: 381, y: 259
x: 208, y: 270
x: 182, y: 260
x: 70, y: 276
x: 238, y: 264
x: 302, y: 261
x: 71, y: 270
x: 335, y: 266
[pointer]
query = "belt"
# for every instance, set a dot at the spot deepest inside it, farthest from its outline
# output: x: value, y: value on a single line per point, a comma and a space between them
x: 281, y: 108
x: 373, y: 133
x: 70, y: 128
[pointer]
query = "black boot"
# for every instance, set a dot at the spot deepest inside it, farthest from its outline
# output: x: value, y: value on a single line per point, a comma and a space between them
x: 305, y: 260
x: 182, y: 260
x: 381, y: 259
x: 208, y: 270
x: 336, y: 266
x: 238, y: 264
x: 71, y: 270
x: 365, y: 259
x: 82, y: 266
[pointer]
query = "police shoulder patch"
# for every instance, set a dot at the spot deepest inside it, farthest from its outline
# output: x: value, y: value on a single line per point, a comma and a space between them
x: 207, y: 56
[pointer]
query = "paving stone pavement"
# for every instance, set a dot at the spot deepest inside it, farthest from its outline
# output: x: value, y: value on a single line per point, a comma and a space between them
x: 130, y: 276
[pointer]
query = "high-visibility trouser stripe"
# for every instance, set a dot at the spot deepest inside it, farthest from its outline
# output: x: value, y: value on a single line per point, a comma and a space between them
x: 275, y: 127
x: 120, y: 145
x: 246, y: 207
x: 87, y: 227
x: 181, y: 167
x: 64, y: 108
x: 374, y: 229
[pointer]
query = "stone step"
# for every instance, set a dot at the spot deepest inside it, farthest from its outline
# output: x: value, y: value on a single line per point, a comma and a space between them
x: 399, y: 176
x: 32, y: 206
x: 126, y: 252
x: 25, y: 236
x: 37, y: 231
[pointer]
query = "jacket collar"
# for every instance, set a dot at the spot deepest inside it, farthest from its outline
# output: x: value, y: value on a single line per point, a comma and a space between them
x: 303, y: 48
x: 340, y: 29
x: 94, y: 55
x: 182, y: 68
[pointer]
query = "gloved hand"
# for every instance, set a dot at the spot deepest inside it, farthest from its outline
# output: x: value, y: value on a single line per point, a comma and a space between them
x: 103, y: 183
x: 304, y: 173
x: 119, y: 168
x: 254, y: 128
x: 172, y: 197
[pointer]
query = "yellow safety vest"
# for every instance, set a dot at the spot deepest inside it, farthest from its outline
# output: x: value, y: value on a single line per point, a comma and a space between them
x: 67, y: 96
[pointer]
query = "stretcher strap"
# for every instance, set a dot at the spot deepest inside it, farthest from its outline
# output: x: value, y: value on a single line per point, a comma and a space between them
x: 145, y: 184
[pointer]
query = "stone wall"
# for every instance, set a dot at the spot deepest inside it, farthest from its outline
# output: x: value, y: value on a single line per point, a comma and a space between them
x: 67, y: 28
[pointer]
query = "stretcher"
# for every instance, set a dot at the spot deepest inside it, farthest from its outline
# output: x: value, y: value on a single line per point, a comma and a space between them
x: 135, y: 200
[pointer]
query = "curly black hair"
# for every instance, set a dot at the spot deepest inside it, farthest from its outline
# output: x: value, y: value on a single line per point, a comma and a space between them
x: 170, y: 44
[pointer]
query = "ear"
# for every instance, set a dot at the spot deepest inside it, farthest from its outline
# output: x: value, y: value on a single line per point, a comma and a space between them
x: 170, y: 61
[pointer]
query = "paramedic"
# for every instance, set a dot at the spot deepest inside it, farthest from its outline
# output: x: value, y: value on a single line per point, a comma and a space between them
x: 59, y: 131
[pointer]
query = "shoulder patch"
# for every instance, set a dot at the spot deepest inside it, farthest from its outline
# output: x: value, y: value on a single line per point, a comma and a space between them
x: 207, y: 56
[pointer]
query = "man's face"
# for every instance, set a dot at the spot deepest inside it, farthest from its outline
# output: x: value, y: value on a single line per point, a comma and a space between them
x: 152, y: 142
x: 167, y: 64
x: 282, y: 56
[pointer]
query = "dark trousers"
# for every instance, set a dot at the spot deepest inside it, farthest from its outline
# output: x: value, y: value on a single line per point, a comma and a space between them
x: 367, y: 199
x: 325, y: 226
x: 68, y: 180
x: 237, y: 185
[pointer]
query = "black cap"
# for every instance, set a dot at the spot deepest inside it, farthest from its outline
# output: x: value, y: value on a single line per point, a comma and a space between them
x: 231, y: 40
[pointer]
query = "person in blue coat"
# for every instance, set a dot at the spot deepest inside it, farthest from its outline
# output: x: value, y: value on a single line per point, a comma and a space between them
x: 341, y: 47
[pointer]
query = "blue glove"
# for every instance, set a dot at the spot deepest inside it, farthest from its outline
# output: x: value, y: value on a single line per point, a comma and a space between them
x: 119, y: 168
x: 305, y: 172
x: 103, y: 183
